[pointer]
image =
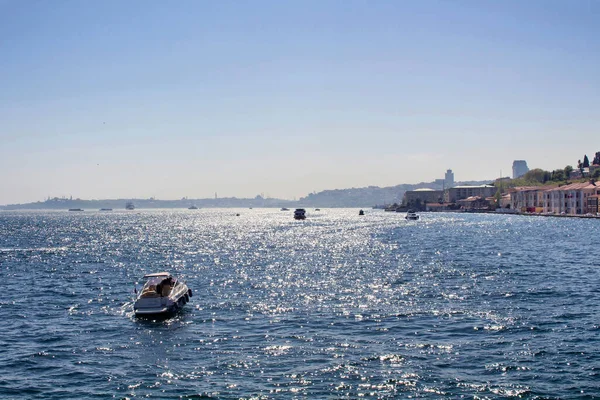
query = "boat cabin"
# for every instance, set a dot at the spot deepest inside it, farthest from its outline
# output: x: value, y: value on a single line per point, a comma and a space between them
x: 158, y: 285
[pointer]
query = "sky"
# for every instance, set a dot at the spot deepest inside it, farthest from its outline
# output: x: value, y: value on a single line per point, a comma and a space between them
x: 138, y: 99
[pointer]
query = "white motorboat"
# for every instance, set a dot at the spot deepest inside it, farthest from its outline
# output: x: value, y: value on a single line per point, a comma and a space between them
x: 411, y: 215
x: 162, y: 295
x: 300, y: 213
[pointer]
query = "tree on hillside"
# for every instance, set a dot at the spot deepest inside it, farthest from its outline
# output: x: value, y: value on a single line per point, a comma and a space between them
x: 535, y: 175
x: 586, y: 161
x: 547, y: 176
x: 580, y: 166
x: 568, y: 169
x: 558, y: 175
x: 596, y: 160
x: 497, y: 198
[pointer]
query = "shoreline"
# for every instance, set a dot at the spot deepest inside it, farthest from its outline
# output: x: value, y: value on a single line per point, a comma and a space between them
x: 536, y: 214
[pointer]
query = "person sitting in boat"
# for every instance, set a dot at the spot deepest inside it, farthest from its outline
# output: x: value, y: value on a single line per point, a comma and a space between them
x: 164, y: 287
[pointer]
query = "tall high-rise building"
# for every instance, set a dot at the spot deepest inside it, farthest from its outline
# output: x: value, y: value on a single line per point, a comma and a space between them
x: 449, y: 179
x: 519, y: 168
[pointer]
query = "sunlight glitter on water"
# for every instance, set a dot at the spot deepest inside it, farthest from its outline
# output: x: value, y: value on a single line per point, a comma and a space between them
x: 335, y: 305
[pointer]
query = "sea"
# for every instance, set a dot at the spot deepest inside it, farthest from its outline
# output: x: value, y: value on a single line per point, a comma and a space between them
x: 337, y: 306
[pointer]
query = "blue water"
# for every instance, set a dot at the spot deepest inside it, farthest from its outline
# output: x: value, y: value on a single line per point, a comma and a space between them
x: 336, y: 306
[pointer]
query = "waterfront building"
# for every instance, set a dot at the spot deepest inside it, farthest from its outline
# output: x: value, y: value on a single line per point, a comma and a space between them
x: 571, y: 199
x: 462, y: 192
x: 449, y: 179
x: 592, y: 204
x: 423, y: 195
x: 476, y: 203
x: 519, y: 168
x: 505, y: 200
x: 528, y: 198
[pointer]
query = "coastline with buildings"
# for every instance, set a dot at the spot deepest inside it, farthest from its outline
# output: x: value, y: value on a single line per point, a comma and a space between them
x: 567, y: 192
x: 564, y: 192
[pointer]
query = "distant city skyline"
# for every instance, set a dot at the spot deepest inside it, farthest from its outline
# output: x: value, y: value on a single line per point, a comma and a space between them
x: 143, y: 99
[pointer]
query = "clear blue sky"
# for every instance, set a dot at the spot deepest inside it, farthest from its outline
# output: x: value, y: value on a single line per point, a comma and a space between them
x: 106, y: 99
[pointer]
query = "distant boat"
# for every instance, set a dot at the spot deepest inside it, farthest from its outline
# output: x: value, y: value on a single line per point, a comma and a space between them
x: 129, y: 206
x: 300, y: 213
x: 75, y: 209
x: 192, y: 208
x: 106, y: 209
x: 317, y: 209
x: 361, y: 212
x: 412, y: 215
x: 285, y: 209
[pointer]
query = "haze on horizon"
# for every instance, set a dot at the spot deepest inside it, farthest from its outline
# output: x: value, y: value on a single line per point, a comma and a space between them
x: 157, y: 99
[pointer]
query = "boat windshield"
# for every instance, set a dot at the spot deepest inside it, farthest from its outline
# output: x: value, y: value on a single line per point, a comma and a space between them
x: 149, y: 289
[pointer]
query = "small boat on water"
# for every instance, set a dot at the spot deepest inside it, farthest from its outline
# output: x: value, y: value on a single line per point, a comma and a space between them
x: 361, y: 212
x: 412, y: 215
x: 129, y: 206
x: 162, y: 296
x: 192, y: 207
x: 284, y: 209
x: 300, y: 213
x: 75, y: 209
x: 106, y: 209
x: 317, y: 209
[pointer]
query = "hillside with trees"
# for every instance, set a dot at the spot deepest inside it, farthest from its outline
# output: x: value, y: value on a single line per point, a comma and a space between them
x: 561, y: 176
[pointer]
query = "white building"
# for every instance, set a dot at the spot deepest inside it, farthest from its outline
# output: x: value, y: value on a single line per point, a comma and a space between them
x: 570, y: 199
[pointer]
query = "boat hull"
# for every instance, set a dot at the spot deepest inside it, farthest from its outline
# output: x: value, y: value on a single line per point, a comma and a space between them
x: 165, y: 312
